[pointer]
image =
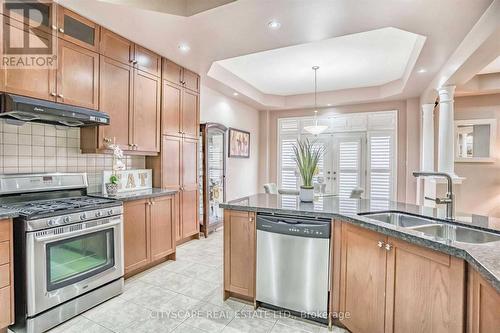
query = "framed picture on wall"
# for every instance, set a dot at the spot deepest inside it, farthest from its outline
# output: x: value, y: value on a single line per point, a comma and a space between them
x: 239, y: 143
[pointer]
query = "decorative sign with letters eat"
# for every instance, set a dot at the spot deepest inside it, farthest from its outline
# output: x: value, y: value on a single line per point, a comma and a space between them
x: 129, y: 180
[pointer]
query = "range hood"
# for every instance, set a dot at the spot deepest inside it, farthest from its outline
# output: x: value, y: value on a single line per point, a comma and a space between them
x: 21, y: 109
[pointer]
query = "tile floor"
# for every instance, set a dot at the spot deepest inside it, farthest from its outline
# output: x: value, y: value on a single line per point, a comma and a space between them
x: 183, y: 296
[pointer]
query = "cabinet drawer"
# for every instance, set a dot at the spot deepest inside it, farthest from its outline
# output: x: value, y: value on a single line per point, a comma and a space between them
x: 4, y: 253
x: 4, y: 230
x: 4, y: 275
x: 5, y: 305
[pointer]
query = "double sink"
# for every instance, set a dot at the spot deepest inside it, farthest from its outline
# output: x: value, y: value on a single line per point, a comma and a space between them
x: 435, y: 229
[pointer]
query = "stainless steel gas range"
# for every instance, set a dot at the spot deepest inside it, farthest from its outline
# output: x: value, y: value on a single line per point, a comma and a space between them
x: 68, y: 248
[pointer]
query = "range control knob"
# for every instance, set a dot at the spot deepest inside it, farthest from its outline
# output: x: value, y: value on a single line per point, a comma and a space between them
x: 83, y: 216
x: 66, y: 219
x: 110, y: 212
x: 51, y: 222
x: 97, y: 214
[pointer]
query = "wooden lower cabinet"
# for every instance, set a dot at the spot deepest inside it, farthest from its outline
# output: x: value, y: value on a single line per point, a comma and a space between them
x: 239, y: 254
x: 149, y: 232
x: 6, y: 274
x: 483, y: 305
x: 189, y: 213
x: 388, y: 285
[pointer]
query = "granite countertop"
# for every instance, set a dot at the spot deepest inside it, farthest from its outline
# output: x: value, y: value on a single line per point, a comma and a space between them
x: 135, y: 195
x: 485, y: 258
x: 7, y: 214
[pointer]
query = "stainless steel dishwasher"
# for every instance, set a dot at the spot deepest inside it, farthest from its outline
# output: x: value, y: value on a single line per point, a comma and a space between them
x: 293, y: 257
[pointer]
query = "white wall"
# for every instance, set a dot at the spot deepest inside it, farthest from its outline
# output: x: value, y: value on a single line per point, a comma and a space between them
x: 241, y: 173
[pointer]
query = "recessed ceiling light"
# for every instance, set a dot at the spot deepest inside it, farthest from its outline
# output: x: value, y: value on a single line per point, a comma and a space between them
x: 328, y: 104
x: 422, y: 70
x: 235, y: 94
x: 184, y: 47
x: 273, y: 24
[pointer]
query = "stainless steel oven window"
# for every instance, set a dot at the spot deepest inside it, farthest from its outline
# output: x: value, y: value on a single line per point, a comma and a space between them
x: 75, y: 259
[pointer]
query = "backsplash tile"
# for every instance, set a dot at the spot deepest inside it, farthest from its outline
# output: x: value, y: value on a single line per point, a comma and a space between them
x: 42, y: 148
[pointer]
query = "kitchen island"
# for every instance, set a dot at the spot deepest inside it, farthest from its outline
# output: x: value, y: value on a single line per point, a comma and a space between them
x: 386, y: 276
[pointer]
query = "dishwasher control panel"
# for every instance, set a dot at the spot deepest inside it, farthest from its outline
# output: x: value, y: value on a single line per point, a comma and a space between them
x: 295, y: 226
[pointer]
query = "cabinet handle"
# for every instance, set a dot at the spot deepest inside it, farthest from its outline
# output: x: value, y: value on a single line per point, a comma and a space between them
x: 250, y: 219
x: 134, y: 62
x: 61, y: 30
x: 107, y: 140
x: 54, y: 27
x: 53, y: 94
x: 60, y: 96
x: 388, y: 247
x: 380, y: 244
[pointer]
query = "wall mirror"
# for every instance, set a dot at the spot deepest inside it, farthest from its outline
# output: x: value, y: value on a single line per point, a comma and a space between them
x: 475, y: 140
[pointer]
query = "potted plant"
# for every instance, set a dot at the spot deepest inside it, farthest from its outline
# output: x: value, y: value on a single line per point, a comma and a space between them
x: 307, y: 156
x: 112, y: 186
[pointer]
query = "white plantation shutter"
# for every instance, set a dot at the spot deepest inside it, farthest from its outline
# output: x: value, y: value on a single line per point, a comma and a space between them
x: 288, y: 135
x: 349, y: 164
x: 381, y: 165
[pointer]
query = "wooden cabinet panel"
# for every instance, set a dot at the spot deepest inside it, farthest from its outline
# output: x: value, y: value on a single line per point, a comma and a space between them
x: 5, y: 303
x: 191, y: 80
x: 147, y: 61
x: 34, y: 82
x: 146, y: 112
x: 424, y: 290
x: 4, y: 252
x: 77, y: 76
x: 77, y: 29
x: 189, y: 164
x: 239, y: 253
x: 115, y: 98
x: 136, y: 234
x: 363, y: 276
x: 171, y: 162
x: 162, y: 227
x: 189, y: 212
x: 116, y: 47
x: 172, y: 72
x: 171, y: 109
x: 190, y: 116
x: 4, y: 275
x: 47, y: 9
x: 5, y: 232
x: 483, y: 305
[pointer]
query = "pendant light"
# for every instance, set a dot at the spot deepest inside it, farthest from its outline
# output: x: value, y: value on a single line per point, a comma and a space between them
x: 315, y: 129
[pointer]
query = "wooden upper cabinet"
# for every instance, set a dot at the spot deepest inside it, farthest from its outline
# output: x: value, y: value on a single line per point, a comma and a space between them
x: 172, y: 72
x: 483, y: 305
x: 34, y: 82
x: 20, y: 12
x: 191, y: 80
x: 239, y: 253
x: 171, y: 162
x: 171, y: 110
x: 424, y: 290
x: 77, y: 76
x: 146, y: 112
x: 162, y: 227
x: 116, y: 47
x: 136, y: 237
x: 115, y: 98
x: 363, y: 276
x: 190, y: 114
x: 147, y: 61
x: 77, y: 29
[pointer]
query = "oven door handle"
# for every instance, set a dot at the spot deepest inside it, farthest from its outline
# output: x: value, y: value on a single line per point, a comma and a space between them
x: 111, y: 223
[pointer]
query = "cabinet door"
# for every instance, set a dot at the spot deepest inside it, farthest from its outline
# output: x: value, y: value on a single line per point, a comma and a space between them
x: 115, y: 98
x: 77, y: 76
x: 190, y: 117
x: 189, y: 212
x: 136, y: 234
x: 171, y: 109
x: 425, y: 290
x: 162, y: 227
x: 146, y: 112
x: 239, y: 252
x: 33, y: 82
x: 172, y: 72
x: 191, y: 80
x: 44, y: 20
x: 189, y: 164
x: 363, y: 276
x: 5, y: 303
x: 171, y: 162
x: 147, y: 61
x: 483, y: 305
x: 78, y: 30
x: 116, y: 47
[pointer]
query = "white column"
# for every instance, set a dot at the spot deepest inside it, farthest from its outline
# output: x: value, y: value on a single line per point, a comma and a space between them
x: 446, y: 146
x: 428, y: 137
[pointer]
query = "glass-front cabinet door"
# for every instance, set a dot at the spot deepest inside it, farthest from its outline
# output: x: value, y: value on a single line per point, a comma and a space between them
x: 75, y: 259
x: 37, y: 15
x: 76, y: 29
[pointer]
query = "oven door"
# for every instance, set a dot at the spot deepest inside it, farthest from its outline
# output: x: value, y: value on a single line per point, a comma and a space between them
x: 65, y: 262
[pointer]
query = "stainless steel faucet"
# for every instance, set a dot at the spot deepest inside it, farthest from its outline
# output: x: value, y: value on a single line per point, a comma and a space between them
x: 449, y: 201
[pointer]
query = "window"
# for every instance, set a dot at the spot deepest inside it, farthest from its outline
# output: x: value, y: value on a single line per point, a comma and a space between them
x: 381, y: 165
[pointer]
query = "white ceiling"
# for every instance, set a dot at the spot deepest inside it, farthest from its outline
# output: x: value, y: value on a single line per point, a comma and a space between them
x: 493, y: 67
x: 240, y: 28
x: 364, y: 59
